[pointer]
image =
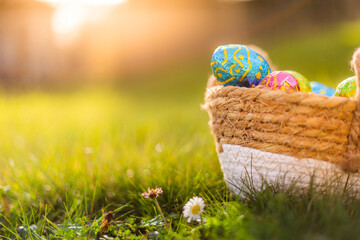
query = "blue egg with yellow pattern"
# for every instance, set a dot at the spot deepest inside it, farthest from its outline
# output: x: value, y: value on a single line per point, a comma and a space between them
x: 322, y: 89
x: 238, y: 65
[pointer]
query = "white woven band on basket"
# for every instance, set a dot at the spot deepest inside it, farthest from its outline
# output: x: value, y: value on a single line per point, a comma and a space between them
x: 242, y: 164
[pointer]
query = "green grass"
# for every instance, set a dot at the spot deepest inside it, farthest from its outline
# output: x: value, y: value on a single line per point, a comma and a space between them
x: 69, y: 157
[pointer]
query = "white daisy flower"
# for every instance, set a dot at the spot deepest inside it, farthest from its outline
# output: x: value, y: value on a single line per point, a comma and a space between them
x: 193, y: 209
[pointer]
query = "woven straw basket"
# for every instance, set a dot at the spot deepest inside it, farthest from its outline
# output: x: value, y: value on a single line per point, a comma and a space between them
x: 268, y: 135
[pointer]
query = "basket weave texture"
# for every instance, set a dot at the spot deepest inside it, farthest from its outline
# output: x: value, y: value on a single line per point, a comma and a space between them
x: 300, y: 125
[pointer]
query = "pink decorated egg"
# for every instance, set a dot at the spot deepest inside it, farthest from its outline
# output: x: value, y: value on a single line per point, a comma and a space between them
x: 303, y: 82
x: 281, y: 80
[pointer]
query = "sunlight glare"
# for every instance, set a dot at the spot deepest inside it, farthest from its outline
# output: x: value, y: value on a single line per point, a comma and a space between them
x: 67, y: 20
x: 85, y: 2
x: 71, y: 15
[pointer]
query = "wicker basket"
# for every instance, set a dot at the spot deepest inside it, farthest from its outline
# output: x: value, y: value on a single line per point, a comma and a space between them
x: 271, y: 135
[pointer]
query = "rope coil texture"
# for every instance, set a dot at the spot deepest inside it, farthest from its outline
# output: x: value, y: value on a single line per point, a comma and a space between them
x: 302, y: 125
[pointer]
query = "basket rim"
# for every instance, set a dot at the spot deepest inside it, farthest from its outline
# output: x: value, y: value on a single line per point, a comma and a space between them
x: 302, y: 98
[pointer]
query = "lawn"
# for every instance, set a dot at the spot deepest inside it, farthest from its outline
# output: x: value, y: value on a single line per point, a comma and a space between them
x: 67, y: 158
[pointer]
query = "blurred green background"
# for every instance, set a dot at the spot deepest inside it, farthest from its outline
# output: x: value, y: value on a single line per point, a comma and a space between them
x: 101, y: 99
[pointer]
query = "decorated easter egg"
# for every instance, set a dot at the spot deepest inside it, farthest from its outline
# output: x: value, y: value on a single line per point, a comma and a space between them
x: 238, y: 65
x: 281, y: 80
x: 346, y: 88
x: 303, y: 82
x: 322, y: 89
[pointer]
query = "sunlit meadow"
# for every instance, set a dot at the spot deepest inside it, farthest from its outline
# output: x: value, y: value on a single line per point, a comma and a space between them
x: 69, y: 157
